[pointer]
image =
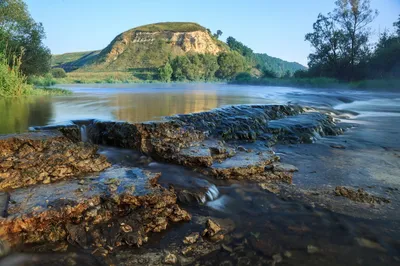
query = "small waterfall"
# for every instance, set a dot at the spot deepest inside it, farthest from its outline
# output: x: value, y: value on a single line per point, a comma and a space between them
x: 212, y: 193
x: 84, y: 136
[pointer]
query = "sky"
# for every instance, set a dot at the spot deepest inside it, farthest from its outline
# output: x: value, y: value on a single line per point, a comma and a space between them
x: 275, y: 27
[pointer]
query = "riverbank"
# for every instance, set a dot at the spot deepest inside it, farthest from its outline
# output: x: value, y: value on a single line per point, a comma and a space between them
x: 236, y: 176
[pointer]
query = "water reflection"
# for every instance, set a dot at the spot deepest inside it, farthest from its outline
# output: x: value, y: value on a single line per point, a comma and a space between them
x: 131, y: 103
x: 17, y: 114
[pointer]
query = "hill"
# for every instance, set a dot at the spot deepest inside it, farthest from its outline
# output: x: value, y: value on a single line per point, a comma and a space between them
x: 144, y: 49
x: 277, y: 65
x: 148, y: 46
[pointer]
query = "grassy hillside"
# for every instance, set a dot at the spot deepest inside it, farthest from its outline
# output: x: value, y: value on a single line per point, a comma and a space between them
x: 278, y: 65
x: 171, y: 26
x: 141, y: 51
x: 73, y: 61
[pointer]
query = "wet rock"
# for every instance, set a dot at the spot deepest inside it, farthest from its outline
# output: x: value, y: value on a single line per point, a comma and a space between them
x: 277, y: 258
x: 273, y: 188
x: 287, y: 254
x: 312, y: 249
x: 170, y: 259
x: 191, y: 239
x: 226, y: 248
x: 95, y: 217
x: 283, y: 167
x: 337, y: 146
x: 366, y: 243
x: 45, y: 157
x: 359, y: 195
x: 212, y: 228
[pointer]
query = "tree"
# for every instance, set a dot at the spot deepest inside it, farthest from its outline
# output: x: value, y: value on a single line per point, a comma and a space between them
x: 268, y: 73
x: 229, y: 65
x: 354, y: 16
x: 397, y: 26
x: 210, y: 66
x: 218, y: 34
x: 22, y: 37
x: 340, y: 40
x: 58, y: 73
x: 239, y: 47
x: 165, y: 72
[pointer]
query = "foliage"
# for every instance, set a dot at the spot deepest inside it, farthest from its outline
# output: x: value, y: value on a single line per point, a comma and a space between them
x: 12, y: 81
x: 218, y: 34
x: 340, y: 40
x: 194, y: 67
x: 385, y: 61
x: 165, y: 72
x: 21, y: 35
x: 239, y: 47
x: 229, y: 65
x: 396, y: 25
x: 279, y: 66
x: 268, y: 73
x: 243, y: 77
x: 58, y: 73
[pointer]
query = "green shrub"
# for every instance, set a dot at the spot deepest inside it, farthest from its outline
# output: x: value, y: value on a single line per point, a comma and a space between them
x: 243, y: 77
x: 58, y: 73
x: 12, y: 81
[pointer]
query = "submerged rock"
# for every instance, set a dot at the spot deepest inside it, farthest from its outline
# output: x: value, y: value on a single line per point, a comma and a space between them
x: 45, y: 157
x: 360, y: 195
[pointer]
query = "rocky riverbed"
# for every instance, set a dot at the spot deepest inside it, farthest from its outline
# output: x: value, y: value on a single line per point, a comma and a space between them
x: 122, y: 204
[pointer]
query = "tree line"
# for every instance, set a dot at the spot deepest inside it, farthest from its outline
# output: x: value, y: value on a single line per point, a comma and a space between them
x: 342, y: 48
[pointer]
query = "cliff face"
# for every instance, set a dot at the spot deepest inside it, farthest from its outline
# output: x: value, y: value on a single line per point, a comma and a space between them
x: 183, y: 42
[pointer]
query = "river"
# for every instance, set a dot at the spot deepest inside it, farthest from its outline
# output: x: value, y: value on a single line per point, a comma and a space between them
x: 368, y: 157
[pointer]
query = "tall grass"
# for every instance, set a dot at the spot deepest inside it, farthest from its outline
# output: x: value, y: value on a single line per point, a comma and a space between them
x: 12, y: 81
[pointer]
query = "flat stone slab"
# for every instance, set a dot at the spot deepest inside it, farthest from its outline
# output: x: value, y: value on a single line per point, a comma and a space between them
x: 45, y: 157
x: 243, y: 165
x: 56, y: 211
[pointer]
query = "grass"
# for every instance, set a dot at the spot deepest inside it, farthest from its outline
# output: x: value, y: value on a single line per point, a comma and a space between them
x: 36, y: 91
x: 171, y: 26
x: 60, y: 59
x: 389, y: 84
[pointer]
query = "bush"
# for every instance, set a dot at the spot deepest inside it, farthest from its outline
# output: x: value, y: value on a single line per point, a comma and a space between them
x: 12, y: 81
x: 243, y: 77
x: 58, y: 73
x: 165, y: 73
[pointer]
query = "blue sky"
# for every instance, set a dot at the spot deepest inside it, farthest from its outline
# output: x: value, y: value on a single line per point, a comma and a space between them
x: 275, y: 27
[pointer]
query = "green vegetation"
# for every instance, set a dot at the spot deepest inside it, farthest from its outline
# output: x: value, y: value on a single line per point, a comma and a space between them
x: 264, y: 62
x: 58, y: 73
x: 12, y: 81
x: 194, y: 67
x: 342, y: 49
x: 62, y: 59
x: 230, y: 64
x: 342, y: 55
x: 166, y: 72
x: 22, y: 52
x: 171, y: 26
x: 22, y: 37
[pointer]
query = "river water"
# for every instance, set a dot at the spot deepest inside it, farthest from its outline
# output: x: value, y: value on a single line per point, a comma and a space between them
x: 342, y: 233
